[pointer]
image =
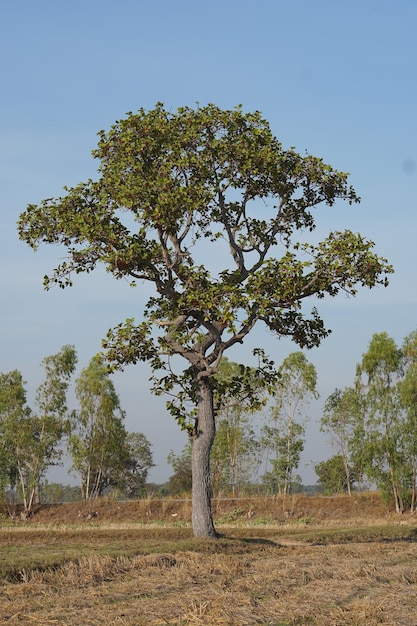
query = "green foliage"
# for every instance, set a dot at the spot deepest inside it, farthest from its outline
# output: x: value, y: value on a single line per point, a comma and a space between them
x: 30, y: 438
x: 231, y: 516
x: 192, y: 175
x: 181, y: 480
x: 53, y: 493
x: 408, y: 400
x: 97, y: 440
x: 333, y: 477
x: 140, y: 460
x: 341, y: 415
x: 104, y: 454
x: 13, y: 418
x: 381, y: 440
x: 235, y: 455
x: 284, y: 439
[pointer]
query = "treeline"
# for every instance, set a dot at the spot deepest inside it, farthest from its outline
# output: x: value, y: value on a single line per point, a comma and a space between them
x: 373, y: 424
x: 108, y: 460
x: 260, y: 432
x: 372, y: 427
x: 33, y: 439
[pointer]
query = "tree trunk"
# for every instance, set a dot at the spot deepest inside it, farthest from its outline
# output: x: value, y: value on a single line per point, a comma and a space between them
x: 413, y: 487
x: 203, y: 439
x: 347, y: 473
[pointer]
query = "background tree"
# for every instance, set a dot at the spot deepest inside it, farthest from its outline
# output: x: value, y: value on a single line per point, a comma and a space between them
x: 285, y: 438
x: 171, y: 181
x: 333, y: 477
x: 31, y: 439
x: 380, y: 434
x: 53, y: 493
x: 180, y: 482
x: 235, y: 455
x: 342, y: 410
x: 140, y: 461
x: 12, y: 413
x: 408, y: 399
x: 98, y: 439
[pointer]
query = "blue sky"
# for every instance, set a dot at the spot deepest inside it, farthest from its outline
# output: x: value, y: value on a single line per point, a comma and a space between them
x: 337, y: 79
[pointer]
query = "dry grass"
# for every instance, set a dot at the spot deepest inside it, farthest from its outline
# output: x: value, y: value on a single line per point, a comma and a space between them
x: 312, y: 567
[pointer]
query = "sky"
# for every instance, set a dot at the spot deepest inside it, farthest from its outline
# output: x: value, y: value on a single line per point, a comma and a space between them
x: 336, y: 79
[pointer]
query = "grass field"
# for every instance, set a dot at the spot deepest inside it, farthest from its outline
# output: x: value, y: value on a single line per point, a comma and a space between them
x: 321, y: 561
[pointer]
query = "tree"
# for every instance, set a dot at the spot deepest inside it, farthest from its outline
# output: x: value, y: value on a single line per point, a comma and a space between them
x: 140, y: 460
x: 12, y: 413
x: 234, y: 456
x: 379, y: 436
x: 285, y: 438
x: 169, y: 184
x: 30, y: 439
x: 181, y: 480
x: 98, y: 438
x: 408, y: 399
x: 341, y: 413
x: 333, y: 477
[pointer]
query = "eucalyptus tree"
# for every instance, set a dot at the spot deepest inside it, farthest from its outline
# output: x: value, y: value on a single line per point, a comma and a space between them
x: 139, y: 462
x: 408, y: 399
x: 235, y: 455
x: 284, y: 434
x: 342, y: 410
x: 13, y: 411
x: 97, y: 439
x: 380, y: 435
x: 169, y: 183
x: 31, y: 438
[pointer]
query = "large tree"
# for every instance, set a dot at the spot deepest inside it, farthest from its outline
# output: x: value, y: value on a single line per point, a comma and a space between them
x: 204, y: 204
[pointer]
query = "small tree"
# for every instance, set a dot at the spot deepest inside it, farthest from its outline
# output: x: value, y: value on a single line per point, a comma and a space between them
x: 98, y: 438
x: 140, y: 461
x: 285, y: 438
x: 180, y: 482
x: 234, y: 458
x: 30, y: 439
x: 333, y: 477
x: 379, y: 436
x: 340, y: 417
x: 171, y: 183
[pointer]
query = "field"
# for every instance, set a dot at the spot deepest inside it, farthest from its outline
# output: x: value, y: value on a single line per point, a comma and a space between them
x: 279, y: 562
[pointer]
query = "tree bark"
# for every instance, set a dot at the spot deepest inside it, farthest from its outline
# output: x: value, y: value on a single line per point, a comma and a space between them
x: 203, y: 439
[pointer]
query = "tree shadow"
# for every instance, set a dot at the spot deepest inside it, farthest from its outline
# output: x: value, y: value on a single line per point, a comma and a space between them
x: 251, y: 540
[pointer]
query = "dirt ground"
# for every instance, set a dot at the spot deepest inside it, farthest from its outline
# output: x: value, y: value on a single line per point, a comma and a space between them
x: 316, y: 509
